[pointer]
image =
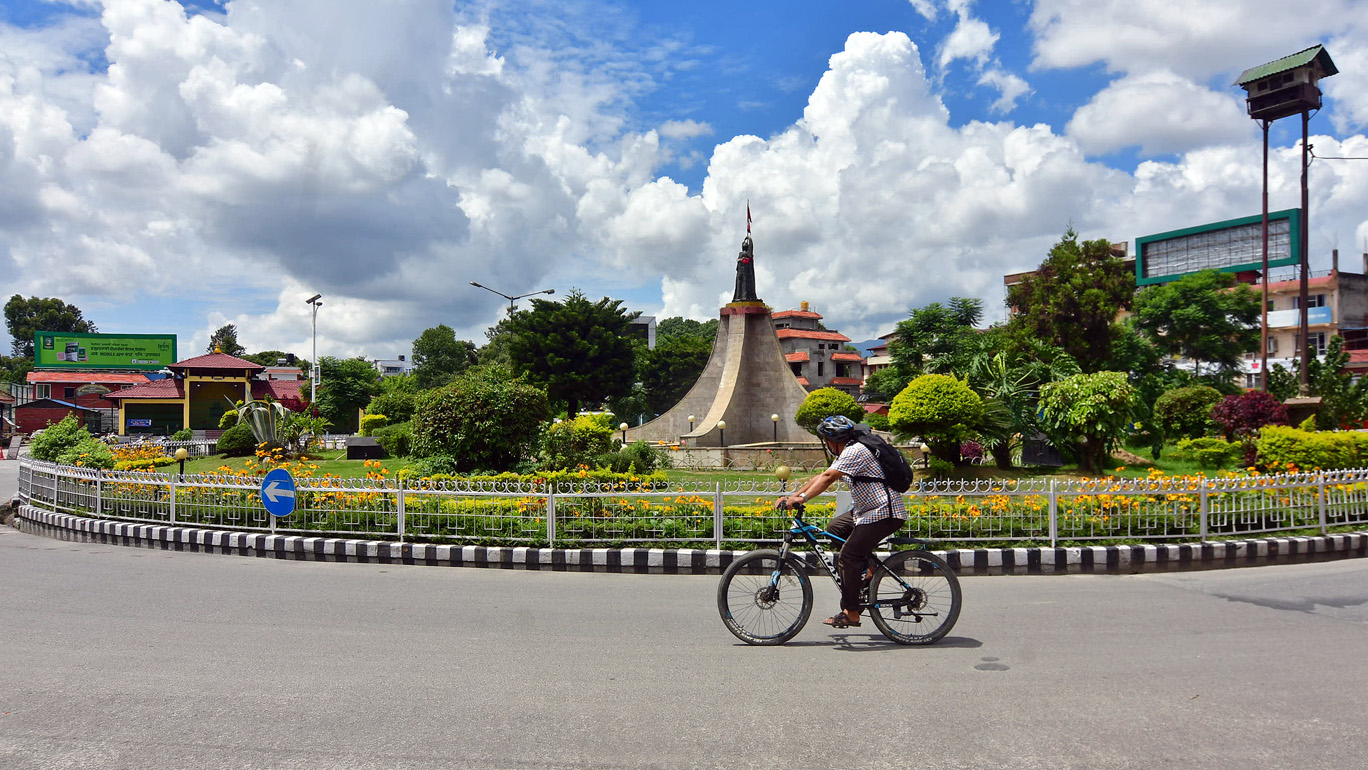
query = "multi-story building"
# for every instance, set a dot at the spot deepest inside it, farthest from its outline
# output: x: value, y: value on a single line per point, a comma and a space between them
x: 817, y: 356
x: 390, y: 367
x: 1336, y: 305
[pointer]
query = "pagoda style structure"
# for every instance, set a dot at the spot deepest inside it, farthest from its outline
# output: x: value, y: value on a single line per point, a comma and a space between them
x: 745, y: 384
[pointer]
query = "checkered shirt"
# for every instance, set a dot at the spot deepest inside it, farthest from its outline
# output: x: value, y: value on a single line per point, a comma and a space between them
x: 874, y: 500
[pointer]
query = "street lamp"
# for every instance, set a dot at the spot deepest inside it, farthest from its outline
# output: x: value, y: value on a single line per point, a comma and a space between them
x: 722, y: 432
x: 313, y: 366
x: 511, y: 300
x: 691, y: 422
x: 181, y: 454
x: 623, y: 427
x: 782, y: 473
x: 774, y: 418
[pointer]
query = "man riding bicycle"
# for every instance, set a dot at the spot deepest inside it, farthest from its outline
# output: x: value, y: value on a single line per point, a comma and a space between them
x: 877, y: 513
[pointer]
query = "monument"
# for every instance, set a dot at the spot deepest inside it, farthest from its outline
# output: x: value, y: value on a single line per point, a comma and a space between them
x: 744, y: 384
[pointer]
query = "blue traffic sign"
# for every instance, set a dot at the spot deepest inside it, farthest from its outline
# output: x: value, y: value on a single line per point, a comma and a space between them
x: 278, y: 492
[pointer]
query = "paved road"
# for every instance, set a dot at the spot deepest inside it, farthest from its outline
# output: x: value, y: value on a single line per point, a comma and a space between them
x: 127, y: 658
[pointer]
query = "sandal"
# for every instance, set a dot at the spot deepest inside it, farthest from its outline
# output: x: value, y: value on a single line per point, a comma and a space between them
x: 839, y: 620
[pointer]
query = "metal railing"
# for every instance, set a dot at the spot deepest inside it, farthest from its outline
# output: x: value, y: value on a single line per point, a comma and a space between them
x: 1037, y: 511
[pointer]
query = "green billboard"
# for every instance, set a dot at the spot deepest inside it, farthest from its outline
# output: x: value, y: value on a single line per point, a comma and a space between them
x: 136, y: 352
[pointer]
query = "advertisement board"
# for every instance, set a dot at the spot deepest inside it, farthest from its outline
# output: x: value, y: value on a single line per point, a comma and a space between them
x: 1232, y: 246
x: 134, y: 352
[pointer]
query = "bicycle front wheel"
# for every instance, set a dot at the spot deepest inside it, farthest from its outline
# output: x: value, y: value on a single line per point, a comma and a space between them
x: 764, y: 599
x: 916, y: 600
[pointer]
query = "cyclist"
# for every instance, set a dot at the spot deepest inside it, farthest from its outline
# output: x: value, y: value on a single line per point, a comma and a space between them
x: 877, y: 513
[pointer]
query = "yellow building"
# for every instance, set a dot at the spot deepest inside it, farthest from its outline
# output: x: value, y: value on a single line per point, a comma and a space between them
x: 197, y: 394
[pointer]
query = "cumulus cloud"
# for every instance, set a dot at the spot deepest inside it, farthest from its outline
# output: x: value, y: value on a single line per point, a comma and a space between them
x: 387, y: 154
x: 1160, y: 113
x: 1204, y: 40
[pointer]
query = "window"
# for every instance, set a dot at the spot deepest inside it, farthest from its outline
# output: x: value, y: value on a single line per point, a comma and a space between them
x: 797, y: 369
x: 68, y: 393
x: 1317, y: 342
x: 42, y: 391
x: 820, y: 367
x: 1253, y: 381
x: 1312, y: 300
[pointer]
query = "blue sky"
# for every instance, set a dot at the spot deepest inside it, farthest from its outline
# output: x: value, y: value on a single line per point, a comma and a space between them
x: 174, y: 167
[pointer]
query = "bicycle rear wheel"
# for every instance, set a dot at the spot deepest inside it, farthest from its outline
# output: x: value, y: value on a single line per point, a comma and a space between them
x: 763, y: 599
x: 919, y: 602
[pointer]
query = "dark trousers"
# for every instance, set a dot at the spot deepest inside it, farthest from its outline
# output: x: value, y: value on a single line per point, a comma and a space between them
x: 859, y: 544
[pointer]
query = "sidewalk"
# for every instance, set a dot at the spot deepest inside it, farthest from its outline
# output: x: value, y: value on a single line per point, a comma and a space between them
x: 9, y: 480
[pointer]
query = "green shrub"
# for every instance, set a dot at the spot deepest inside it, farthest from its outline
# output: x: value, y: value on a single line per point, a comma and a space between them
x: 89, y: 452
x: 1184, y: 413
x: 877, y: 421
x: 184, y: 434
x: 229, y: 419
x: 1088, y: 414
x: 397, y: 439
x: 57, y: 439
x: 237, y: 441
x: 823, y: 403
x: 1209, y: 452
x: 637, y: 457
x: 572, y: 443
x: 435, y: 465
x: 370, y: 422
x: 1281, y: 447
x: 145, y: 464
x: 395, y: 404
x: 1308, y: 425
x: 939, y: 409
x: 487, y: 418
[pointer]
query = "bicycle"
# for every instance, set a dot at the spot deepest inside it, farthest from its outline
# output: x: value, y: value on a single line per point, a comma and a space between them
x: 765, y: 596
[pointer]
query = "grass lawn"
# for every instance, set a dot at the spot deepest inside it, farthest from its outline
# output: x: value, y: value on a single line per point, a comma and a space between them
x: 333, y: 462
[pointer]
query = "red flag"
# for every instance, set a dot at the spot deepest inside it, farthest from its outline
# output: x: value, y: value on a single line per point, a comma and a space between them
x: 748, y: 218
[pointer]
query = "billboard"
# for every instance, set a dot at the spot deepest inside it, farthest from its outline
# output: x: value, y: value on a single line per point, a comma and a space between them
x: 70, y: 350
x: 1232, y: 246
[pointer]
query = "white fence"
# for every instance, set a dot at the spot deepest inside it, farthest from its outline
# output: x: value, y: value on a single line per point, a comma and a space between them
x: 1033, y: 512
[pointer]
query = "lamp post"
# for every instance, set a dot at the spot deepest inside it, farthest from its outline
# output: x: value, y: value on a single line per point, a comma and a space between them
x: 181, y: 454
x: 512, y: 300
x: 774, y: 418
x: 782, y: 473
x: 623, y: 427
x: 313, y: 358
x: 722, y: 432
x: 691, y: 422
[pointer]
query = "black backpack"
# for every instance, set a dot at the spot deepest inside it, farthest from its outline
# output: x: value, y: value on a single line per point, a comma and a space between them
x: 897, y: 473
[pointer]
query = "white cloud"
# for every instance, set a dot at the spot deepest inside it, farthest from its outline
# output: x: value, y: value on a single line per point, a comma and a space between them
x: 1008, y: 85
x: 252, y: 158
x: 926, y: 8
x: 1200, y: 41
x: 684, y: 129
x: 1160, y: 113
x: 972, y: 39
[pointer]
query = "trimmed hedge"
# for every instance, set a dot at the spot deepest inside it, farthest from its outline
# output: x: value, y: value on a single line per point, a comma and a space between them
x: 1280, y: 446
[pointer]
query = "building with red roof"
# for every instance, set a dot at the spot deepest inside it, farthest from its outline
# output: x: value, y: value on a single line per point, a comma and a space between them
x: 817, y: 356
x: 197, y: 394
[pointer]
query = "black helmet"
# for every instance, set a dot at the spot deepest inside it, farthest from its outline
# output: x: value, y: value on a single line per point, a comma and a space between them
x: 837, y: 428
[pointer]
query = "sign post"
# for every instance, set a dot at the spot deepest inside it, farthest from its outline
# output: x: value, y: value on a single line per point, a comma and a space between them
x: 278, y: 493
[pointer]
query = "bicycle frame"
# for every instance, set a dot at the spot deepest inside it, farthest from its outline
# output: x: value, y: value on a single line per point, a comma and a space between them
x: 809, y: 533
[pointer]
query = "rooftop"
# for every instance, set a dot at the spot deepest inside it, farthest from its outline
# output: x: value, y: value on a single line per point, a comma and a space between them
x: 216, y: 361
x: 811, y: 334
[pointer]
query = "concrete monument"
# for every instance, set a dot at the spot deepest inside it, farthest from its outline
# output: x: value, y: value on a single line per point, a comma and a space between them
x: 744, y: 384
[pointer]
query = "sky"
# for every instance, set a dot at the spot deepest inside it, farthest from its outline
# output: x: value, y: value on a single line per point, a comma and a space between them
x: 174, y: 167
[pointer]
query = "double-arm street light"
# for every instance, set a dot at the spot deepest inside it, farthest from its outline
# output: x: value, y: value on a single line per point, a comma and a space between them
x: 313, y: 370
x: 512, y: 300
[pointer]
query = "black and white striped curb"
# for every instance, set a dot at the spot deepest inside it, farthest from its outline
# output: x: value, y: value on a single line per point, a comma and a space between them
x: 1110, y: 559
